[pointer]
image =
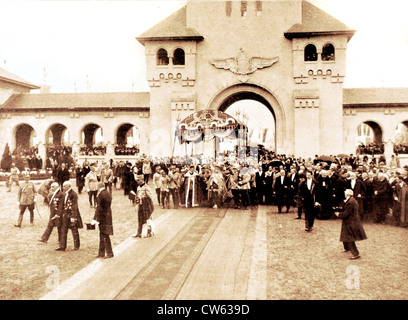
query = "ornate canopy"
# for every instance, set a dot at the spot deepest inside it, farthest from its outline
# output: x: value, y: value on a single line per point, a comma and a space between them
x: 205, y: 125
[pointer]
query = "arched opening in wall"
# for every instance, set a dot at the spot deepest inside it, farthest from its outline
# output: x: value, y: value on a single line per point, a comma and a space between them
x: 25, y: 140
x: 57, y: 135
x: 58, y: 148
x: 328, y: 53
x: 310, y: 53
x: 92, y: 140
x: 179, y: 57
x: 162, y: 59
x: 258, y: 116
x: 369, y: 138
x: 127, y: 140
x: 401, y: 138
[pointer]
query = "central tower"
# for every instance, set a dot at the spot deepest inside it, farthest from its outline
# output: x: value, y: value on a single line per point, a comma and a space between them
x: 289, y: 54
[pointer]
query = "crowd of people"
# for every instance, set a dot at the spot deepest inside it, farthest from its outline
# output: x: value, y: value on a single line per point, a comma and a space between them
x: 309, y: 187
x: 371, y: 148
x: 123, y: 150
x: 92, y: 151
x: 401, y: 149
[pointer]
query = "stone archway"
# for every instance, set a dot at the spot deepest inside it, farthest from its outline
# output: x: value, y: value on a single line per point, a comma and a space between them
x: 57, y: 135
x: 239, y: 92
x: 25, y: 136
x: 89, y: 134
x: 127, y: 133
x: 369, y: 138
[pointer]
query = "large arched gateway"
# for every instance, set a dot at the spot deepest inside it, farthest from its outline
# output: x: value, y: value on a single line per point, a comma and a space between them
x: 287, y: 56
x: 224, y: 99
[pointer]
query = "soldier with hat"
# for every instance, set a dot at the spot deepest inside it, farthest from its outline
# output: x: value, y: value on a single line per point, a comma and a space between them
x: 26, y: 199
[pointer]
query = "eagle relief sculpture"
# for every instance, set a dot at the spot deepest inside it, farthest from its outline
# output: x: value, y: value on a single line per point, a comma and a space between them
x: 242, y: 65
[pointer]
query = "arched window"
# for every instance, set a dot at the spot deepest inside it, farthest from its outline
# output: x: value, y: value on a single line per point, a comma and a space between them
x: 328, y: 52
x: 179, y: 57
x: 310, y: 53
x: 162, y: 58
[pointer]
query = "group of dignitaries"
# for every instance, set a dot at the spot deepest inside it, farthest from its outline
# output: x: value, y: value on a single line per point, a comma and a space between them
x: 319, y: 191
x: 65, y: 214
x: 316, y: 191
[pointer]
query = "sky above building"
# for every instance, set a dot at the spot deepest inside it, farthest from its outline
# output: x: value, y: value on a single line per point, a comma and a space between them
x: 81, y: 46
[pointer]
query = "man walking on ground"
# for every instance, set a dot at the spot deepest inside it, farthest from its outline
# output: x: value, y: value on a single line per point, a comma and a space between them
x: 351, y: 228
x: 103, y: 218
x: 26, y: 199
x: 307, y: 194
x: 56, y: 204
x: 71, y: 218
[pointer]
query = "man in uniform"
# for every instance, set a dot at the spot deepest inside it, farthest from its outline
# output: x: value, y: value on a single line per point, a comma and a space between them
x: 26, y: 199
x: 14, y: 172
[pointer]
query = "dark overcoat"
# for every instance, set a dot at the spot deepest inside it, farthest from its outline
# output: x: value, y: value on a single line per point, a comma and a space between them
x: 103, y: 212
x: 351, y: 227
x: 71, y: 210
x: 56, y: 203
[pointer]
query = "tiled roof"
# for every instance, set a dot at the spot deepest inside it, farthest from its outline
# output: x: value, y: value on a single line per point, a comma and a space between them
x: 171, y: 28
x: 101, y: 100
x: 374, y: 96
x: 317, y: 22
x: 7, y: 76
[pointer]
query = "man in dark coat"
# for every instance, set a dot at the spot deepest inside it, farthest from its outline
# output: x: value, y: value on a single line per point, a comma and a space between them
x: 71, y: 218
x: 260, y: 185
x: 269, y: 185
x: 293, y: 186
x: 281, y: 191
x: 307, y: 195
x: 62, y: 174
x: 359, y: 191
x: 324, y: 195
x: 103, y: 217
x: 368, y: 196
x: 56, y: 204
x: 351, y: 228
x: 79, y: 177
x: 381, y: 197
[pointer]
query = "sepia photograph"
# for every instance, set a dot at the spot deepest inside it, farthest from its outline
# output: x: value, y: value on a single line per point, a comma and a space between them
x: 204, y: 154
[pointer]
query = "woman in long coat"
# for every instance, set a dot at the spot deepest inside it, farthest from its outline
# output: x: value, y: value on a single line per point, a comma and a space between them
x: 351, y: 228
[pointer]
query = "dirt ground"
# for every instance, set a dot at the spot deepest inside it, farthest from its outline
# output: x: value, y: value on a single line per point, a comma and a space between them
x: 300, y: 265
x: 312, y: 265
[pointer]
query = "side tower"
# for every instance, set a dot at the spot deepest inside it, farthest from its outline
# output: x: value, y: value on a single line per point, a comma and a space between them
x: 319, y: 44
x: 170, y: 49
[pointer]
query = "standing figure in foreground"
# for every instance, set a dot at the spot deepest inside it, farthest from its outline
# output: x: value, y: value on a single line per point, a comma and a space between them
x: 307, y: 196
x: 91, y: 183
x: 14, y: 172
x: 351, y: 228
x: 191, y: 187
x: 144, y: 206
x: 103, y: 218
x: 71, y: 218
x: 56, y: 204
x: 26, y: 199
